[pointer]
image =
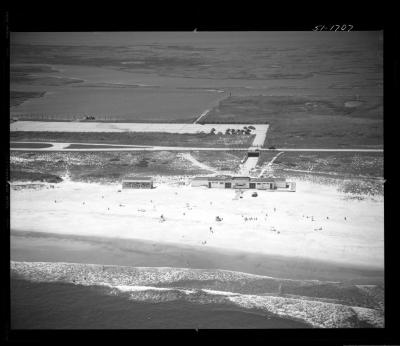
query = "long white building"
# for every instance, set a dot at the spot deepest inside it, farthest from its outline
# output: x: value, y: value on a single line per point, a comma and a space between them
x: 238, y: 182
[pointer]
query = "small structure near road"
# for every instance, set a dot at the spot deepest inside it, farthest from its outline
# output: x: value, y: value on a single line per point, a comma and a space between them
x: 253, y: 152
x: 137, y: 183
x: 21, y: 186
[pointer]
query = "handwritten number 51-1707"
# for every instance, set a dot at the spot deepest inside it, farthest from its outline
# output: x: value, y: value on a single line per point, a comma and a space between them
x: 335, y: 27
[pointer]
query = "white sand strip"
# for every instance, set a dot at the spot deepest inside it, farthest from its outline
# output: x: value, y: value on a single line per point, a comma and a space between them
x: 261, y: 135
x: 61, y: 126
x: 248, y: 165
x: 301, y: 218
x: 260, y: 129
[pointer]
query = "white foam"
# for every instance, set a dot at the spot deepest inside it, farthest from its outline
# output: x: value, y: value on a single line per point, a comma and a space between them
x: 130, y: 279
x: 220, y: 293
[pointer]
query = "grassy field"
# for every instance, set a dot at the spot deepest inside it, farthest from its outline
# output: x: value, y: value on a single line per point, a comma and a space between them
x: 342, y: 163
x: 262, y: 55
x: 138, y: 138
x: 309, y: 121
x: 99, y: 167
x: 223, y: 161
x: 356, y: 174
x: 353, y: 187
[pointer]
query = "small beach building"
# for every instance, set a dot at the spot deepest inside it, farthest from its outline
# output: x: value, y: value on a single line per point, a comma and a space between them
x: 137, y: 183
x: 262, y: 184
x: 253, y: 152
x: 280, y: 183
x: 200, y: 181
x: 220, y: 182
x: 241, y: 182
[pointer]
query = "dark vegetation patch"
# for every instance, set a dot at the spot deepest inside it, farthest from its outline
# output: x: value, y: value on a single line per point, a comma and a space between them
x: 32, y: 74
x: 31, y: 68
x: 18, y: 97
x: 29, y: 145
x: 27, y: 175
x: 27, y: 79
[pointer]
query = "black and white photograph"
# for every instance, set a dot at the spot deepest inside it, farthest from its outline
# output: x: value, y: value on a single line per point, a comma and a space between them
x: 197, y: 179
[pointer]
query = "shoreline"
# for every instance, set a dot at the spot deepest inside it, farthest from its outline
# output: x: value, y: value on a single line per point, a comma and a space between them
x: 49, y: 247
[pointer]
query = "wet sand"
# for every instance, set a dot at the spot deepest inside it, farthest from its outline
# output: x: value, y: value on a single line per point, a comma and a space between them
x: 48, y: 247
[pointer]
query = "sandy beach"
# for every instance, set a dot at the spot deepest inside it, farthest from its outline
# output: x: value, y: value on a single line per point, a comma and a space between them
x: 316, y: 222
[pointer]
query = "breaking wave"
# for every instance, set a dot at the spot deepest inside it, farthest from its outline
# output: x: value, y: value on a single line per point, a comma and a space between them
x: 320, y: 304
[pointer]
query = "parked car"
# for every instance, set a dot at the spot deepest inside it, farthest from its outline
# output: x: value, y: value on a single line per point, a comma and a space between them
x: 254, y: 194
x: 272, y: 147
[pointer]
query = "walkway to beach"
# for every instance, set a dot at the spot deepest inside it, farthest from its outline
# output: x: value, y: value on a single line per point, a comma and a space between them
x: 197, y: 163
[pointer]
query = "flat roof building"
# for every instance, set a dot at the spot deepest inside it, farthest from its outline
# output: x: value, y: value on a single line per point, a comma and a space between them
x: 137, y: 183
x: 242, y: 182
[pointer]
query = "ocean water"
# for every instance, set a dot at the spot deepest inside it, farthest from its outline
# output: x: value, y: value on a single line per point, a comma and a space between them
x: 38, y: 305
x: 67, y: 281
x: 54, y: 289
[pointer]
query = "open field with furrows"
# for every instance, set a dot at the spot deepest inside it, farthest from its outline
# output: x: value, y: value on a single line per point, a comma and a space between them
x: 138, y: 138
x: 223, y: 161
x: 309, y: 121
x: 96, y: 167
